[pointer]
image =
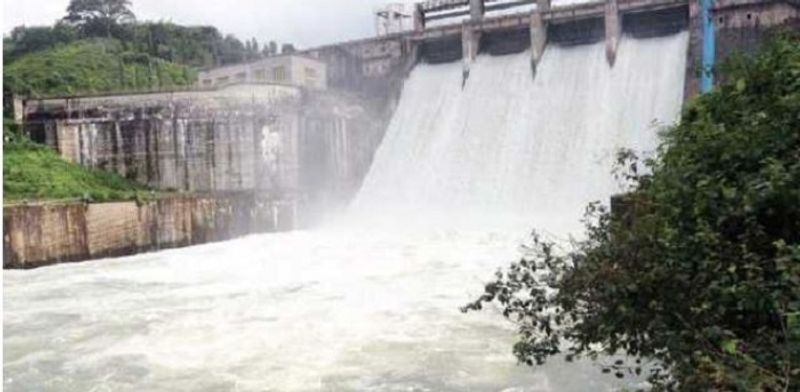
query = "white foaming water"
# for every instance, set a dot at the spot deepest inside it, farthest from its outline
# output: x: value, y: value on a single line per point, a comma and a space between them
x: 366, y: 305
x: 512, y: 149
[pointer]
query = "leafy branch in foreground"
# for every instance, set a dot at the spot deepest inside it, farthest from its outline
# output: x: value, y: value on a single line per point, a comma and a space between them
x: 697, y: 267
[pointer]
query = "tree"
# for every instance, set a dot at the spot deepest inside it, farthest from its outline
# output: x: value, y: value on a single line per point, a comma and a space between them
x: 231, y: 50
x: 287, y: 49
x: 255, y: 50
x: 697, y: 268
x: 270, y: 49
x: 24, y: 40
x: 99, y: 16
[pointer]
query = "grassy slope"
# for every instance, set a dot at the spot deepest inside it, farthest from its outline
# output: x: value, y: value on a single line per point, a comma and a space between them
x: 91, y: 66
x: 34, y: 172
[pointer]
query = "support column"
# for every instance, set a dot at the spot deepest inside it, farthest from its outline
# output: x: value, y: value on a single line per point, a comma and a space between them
x: 476, y: 10
x: 538, y: 30
x: 709, y: 46
x: 470, y: 43
x: 18, y: 106
x: 694, y: 52
x: 613, y: 30
x: 419, y: 18
x: 412, y: 56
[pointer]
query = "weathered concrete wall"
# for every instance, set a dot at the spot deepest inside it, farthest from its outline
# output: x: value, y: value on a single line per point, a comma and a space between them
x: 241, y: 138
x: 335, y: 156
x: 44, y: 234
x: 741, y: 26
x: 189, y: 141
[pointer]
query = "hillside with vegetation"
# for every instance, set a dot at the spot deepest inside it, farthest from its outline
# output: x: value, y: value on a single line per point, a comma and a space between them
x: 92, y: 66
x: 99, y: 47
x: 695, y: 275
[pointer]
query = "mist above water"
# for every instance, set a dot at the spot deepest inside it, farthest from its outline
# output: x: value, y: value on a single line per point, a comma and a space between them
x: 370, y: 302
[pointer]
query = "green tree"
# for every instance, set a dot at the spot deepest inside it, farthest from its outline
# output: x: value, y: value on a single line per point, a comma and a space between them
x: 99, y: 16
x: 255, y: 50
x: 287, y: 49
x: 697, y: 268
x: 24, y: 39
x: 91, y: 66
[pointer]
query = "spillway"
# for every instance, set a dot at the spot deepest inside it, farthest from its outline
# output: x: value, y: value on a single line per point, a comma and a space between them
x: 509, y: 149
x: 371, y: 301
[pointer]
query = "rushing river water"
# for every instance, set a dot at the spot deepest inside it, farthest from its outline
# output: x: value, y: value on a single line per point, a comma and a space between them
x: 371, y: 303
x: 303, y: 311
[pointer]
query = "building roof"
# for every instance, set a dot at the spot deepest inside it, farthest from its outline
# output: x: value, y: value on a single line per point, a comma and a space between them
x: 263, y: 59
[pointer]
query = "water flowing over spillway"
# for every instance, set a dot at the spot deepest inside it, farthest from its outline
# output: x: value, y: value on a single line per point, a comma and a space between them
x: 370, y: 303
x: 512, y: 149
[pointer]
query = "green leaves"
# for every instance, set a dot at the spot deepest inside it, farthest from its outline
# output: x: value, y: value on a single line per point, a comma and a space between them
x: 32, y: 171
x: 90, y: 66
x: 698, y: 266
x: 741, y: 84
x: 729, y: 346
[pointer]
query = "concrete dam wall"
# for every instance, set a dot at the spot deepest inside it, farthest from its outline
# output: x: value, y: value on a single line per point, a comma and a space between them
x: 42, y: 234
x: 243, y: 159
x: 309, y: 151
x: 281, y: 141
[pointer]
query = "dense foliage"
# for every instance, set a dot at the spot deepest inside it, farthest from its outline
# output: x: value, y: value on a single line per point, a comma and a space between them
x: 99, y: 16
x: 34, y: 172
x: 91, y: 66
x: 99, y: 47
x: 696, y: 272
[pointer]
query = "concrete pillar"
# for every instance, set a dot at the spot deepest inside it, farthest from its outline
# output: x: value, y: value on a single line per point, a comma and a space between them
x: 543, y: 5
x: 67, y: 141
x: 694, y: 52
x: 613, y: 30
x: 412, y: 56
x: 18, y: 106
x: 470, y: 43
x: 466, y: 51
x: 476, y: 10
x: 419, y: 18
x: 538, y: 30
x: 709, y: 46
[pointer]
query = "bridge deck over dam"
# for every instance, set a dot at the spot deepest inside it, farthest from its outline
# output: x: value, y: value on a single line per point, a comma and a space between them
x: 555, y: 14
x: 741, y: 25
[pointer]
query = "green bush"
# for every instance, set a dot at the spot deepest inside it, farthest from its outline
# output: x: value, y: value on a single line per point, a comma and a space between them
x: 699, y: 270
x: 91, y: 66
x: 34, y: 172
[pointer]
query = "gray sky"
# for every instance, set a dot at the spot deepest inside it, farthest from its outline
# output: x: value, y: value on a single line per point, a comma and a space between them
x: 302, y: 22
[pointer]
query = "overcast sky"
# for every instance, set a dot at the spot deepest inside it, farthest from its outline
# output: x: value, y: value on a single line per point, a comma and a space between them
x: 302, y: 22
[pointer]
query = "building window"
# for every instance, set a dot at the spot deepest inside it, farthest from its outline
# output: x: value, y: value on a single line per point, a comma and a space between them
x: 279, y: 74
x: 208, y: 82
x: 241, y: 76
x: 223, y: 80
x: 260, y: 74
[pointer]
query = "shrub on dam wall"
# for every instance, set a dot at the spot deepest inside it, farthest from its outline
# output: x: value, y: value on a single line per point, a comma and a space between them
x: 698, y: 274
x: 32, y: 171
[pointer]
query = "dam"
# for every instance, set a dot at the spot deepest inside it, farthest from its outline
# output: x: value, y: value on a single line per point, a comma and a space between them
x: 425, y: 190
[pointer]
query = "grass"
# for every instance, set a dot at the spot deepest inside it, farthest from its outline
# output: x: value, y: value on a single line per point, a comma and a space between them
x: 34, y: 172
x: 92, y: 66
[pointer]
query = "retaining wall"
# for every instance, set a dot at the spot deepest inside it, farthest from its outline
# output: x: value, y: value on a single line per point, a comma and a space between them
x: 42, y: 234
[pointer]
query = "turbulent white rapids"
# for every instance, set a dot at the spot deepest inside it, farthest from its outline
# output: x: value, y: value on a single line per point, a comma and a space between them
x: 514, y: 149
x: 370, y: 303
